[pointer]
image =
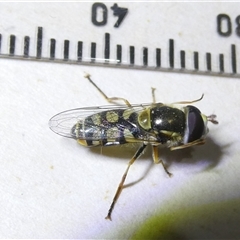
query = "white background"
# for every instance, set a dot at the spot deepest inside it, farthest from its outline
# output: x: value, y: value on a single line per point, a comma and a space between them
x: 50, y: 187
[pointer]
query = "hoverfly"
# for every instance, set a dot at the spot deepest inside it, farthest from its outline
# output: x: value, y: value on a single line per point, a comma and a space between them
x: 178, y: 125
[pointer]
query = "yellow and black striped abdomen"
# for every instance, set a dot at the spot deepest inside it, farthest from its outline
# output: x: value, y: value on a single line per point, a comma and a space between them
x: 112, y: 127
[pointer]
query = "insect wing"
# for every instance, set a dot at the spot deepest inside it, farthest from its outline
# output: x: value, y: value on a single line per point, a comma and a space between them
x: 62, y: 123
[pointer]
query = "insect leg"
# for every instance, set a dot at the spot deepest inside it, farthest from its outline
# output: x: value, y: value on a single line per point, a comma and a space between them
x: 153, y: 95
x: 157, y: 160
x: 112, y: 99
x: 120, y: 186
x: 196, y: 142
x: 190, y: 102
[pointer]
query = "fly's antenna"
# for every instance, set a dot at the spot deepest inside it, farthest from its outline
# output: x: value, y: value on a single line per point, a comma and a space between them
x: 212, y: 119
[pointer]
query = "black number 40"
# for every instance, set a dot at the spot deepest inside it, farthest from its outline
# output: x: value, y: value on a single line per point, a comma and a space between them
x: 117, y: 11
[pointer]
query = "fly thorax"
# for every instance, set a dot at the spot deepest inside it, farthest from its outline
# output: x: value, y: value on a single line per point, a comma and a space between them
x: 168, y: 123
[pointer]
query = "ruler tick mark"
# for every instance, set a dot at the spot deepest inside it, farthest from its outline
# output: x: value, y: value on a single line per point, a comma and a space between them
x: 66, y: 50
x: 119, y: 53
x: 158, y: 57
x: 79, y: 51
x: 221, y: 63
x: 93, y: 51
x: 171, y: 53
x: 39, y: 42
x: 195, y: 60
x: 182, y: 59
x: 209, y: 63
x: 234, y: 60
x: 52, y: 48
x: 12, y: 45
x: 132, y: 55
x: 145, y: 56
x: 107, y: 47
x: 26, y: 46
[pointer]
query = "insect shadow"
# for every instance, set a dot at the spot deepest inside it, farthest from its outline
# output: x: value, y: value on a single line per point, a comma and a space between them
x: 211, y: 153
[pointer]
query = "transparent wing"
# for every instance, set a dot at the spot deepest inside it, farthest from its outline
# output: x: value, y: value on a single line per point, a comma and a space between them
x: 62, y: 123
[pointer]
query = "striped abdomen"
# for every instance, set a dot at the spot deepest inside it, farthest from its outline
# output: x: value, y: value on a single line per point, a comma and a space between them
x: 108, y: 128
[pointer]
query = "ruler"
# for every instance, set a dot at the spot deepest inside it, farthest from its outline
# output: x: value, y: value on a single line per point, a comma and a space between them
x: 112, y: 55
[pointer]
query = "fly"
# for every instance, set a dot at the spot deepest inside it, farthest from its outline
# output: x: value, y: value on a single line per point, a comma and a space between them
x: 178, y: 125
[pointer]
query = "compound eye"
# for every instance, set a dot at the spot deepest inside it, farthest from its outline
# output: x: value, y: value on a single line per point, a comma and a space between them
x: 195, y: 124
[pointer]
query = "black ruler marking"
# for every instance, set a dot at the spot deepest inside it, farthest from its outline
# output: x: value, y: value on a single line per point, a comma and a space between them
x: 107, y: 47
x: 99, y: 61
x: 119, y: 53
x: 209, y: 62
x: 221, y: 63
x: 26, y: 46
x: 171, y: 53
x: 145, y: 56
x: 12, y: 45
x: 158, y: 57
x: 182, y: 59
x: 39, y: 42
x: 234, y: 59
x: 93, y: 51
x: 52, y: 48
x: 79, y: 51
x: 66, y: 50
x: 132, y: 54
x: 195, y: 60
